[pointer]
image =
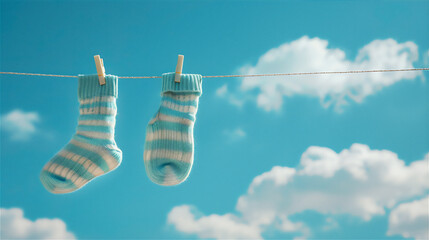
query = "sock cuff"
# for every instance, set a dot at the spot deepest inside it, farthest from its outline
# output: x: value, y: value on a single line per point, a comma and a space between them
x: 189, y: 83
x: 88, y: 86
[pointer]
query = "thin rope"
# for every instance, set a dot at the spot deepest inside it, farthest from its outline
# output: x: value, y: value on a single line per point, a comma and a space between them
x: 322, y: 73
x: 38, y: 74
x: 244, y: 76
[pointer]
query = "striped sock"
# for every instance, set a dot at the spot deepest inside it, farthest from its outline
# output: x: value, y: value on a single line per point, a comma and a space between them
x: 92, y: 151
x: 169, y: 146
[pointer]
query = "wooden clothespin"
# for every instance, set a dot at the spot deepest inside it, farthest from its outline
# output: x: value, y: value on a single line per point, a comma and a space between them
x: 179, y: 68
x: 101, y: 72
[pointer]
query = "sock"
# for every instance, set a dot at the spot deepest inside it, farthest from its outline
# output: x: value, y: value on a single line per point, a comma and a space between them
x: 92, y: 151
x: 169, y: 146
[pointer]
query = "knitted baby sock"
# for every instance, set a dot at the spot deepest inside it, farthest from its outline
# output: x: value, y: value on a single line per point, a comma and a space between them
x: 92, y: 151
x: 169, y: 146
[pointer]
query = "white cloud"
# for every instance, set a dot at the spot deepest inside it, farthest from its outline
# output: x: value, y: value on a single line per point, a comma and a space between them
x: 20, y: 125
x: 278, y: 175
x: 15, y: 226
x: 235, y: 134
x: 357, y: 181
x: 313, y: 55
x: 411, y: 220
x: 213, y: 226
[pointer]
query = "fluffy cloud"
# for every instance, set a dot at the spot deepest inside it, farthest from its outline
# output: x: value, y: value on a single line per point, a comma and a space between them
x: 357, y: 181
x: 313, y: 55
x: 20, y: 125
x: 15, y: 226
x: 411, y: 220
x: 348, y: 182
x: 213, y: 226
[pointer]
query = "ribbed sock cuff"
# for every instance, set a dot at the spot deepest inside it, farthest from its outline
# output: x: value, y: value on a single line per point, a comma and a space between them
x: 191, y: 83
x: 88, y: 86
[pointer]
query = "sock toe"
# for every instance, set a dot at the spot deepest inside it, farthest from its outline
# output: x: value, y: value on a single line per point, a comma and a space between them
x: 167, y: 173
x: 55, y: 183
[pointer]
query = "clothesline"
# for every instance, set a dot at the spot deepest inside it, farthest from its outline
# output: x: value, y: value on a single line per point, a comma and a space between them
x: 243, y: 76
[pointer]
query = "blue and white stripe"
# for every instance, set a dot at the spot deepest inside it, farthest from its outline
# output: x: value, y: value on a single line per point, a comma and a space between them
x: 169, y: 146
x: 92, y: 151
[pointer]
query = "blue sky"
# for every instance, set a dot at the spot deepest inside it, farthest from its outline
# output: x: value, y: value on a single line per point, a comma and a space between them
x: 314, y: 157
